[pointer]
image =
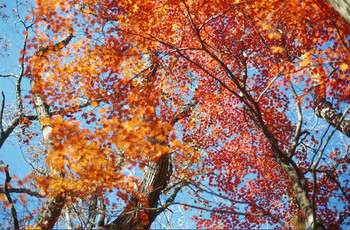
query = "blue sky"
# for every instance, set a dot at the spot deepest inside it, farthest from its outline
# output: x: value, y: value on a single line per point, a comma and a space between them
x: 10, y: 35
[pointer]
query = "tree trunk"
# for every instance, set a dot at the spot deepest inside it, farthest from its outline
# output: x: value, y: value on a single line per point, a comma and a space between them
x: 296, y: 177
x: 325, y: 110
x: 342, y: 7
x: 302, y: 196
x: 156, y: 177
x: 53, y: 207
x: 51, y: 213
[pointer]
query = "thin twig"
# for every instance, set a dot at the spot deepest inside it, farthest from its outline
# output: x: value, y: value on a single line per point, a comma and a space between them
x: 329, y: 137
x: 2, y: 112
x: 19, y: 78
x: 226, y: 211
x: 267, y: 87
x: 8, y: 196
x: 342, y: 190
x: 15, y: 121
x: 266, y: 212
x: 299, y: 123
x: 9, y: 75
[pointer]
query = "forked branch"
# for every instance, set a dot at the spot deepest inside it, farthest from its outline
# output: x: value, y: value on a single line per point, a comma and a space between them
x: 8, y: 196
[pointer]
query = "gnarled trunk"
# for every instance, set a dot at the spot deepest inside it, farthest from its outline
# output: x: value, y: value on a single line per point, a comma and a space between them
x: 156, y: 177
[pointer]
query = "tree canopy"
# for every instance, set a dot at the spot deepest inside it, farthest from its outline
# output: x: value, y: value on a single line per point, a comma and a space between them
x: 123, y: 105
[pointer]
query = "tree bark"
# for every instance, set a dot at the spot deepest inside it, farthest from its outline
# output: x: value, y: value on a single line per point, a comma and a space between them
x: 324, y: 109
x: 53, y: 207
x: 342, y: 7
x: 51, y: 213
x: 297, y: 179
x: 302, y: 196
x: 156, y: 177
x: 92, y: 213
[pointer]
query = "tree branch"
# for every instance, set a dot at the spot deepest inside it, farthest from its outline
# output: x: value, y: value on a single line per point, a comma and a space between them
x: 267, y: 212
x: 102, y: 211
x: 171, y: 198
x: 156, y: 179
x: 8, y: 196
x: 9, y: 129
x: 299, y: 124
x: 21, y: 190
x: 9, y: 75
x: 2, y: 113
x: 92, y: 213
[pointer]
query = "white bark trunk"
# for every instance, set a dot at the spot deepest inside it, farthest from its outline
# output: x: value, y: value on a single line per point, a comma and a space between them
x: 342, y: 7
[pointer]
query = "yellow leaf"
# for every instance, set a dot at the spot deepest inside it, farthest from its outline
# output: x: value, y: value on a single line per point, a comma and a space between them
x: 274, y: 35
x: 343, y: 66
x: 276, y: 49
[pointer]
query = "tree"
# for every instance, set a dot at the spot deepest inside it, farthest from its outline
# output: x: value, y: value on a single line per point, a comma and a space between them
x: 139, y: 100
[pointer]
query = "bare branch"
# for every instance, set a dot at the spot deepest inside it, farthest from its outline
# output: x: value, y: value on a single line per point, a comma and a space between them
x: 299, y: 123
x: 2, y: 112
x: 267, y: 87
x: 15, y: 121
x: 221, y: 210
x: 9, y: 75
x: 171, y: 198
x: 336, y: 126
x: 8, y: 196
x: 218, y: 15
x: 342, y: 190
x: 22, y: 190
x: 268, y: 213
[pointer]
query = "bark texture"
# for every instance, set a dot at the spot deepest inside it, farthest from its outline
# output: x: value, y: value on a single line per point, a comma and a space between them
x: 324, y: 109
x: 53, y: 207
x: 51, y: 213
x: 342, y: 7
x: 302, y: 197
x: 157, y: 176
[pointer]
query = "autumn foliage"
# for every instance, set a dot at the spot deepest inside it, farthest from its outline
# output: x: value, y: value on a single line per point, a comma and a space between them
x: 236, y: 102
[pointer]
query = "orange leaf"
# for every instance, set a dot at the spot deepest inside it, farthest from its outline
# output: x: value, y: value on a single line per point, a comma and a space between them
x: 94, y: 103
